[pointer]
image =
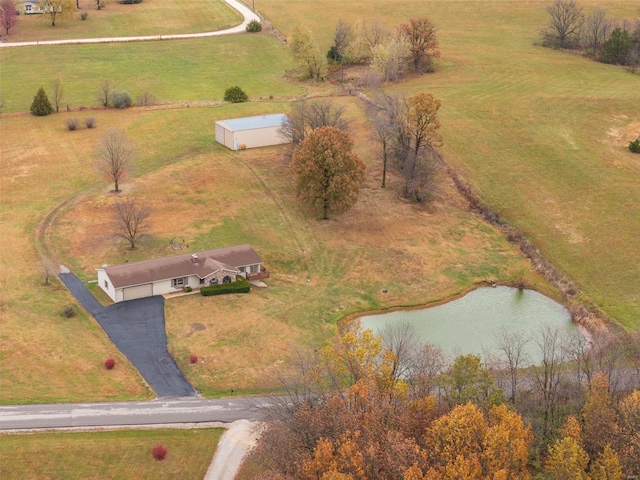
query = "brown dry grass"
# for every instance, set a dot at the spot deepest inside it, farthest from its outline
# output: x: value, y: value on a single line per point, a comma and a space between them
x: 419, y: 253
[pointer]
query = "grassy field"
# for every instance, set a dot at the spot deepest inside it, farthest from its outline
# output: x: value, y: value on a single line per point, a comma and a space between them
x: 107, y: 455
x: 151, y: 17
x: 169, y: 70
x: 417, y: 254
x: 541, y: 134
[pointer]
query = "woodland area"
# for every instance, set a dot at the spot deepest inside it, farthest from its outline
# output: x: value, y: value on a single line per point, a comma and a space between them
x: 381, y: 407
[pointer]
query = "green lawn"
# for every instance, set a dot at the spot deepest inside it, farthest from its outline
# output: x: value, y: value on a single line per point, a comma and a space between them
x: 539, y: 133
x: 108, y: 455
x: 195, y: 70
x: 151, y: 17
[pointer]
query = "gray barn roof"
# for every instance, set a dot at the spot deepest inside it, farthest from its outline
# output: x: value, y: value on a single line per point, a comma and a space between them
x: 208, y: 261
x: 252, y: 123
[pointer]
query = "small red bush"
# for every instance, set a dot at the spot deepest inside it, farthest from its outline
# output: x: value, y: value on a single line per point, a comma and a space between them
x: 109, y: 363
x: 193, y: 359
x: 159, y: 452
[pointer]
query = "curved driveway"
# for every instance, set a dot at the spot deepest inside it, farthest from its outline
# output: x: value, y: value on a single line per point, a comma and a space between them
x: 137, y: 328
x: 235, y: 4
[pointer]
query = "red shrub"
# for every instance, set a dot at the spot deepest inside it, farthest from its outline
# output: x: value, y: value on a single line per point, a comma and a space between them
x: 193, y: 359
x: 109, y: 363
x: 159, y: 452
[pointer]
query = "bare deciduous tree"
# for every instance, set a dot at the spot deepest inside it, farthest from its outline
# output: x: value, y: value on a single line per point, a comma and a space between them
x: 595, y: 31
x: 58, y: 93
x: 307, y: 116
x: 131, y: 220
x: 429, y: 363
x: 104, y: 92
x: 115, y: 156
x: 553, y: 348
x: 512, y: 347
x: 565, y: 24
x: 402, y: 340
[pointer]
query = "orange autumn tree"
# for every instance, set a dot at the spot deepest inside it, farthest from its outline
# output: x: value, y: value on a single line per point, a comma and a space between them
x: 466, y: 444
x: 328, y: 173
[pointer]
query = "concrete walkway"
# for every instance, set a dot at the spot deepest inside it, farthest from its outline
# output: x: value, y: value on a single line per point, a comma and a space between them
x: 235, y: 4
x: 137, y: 328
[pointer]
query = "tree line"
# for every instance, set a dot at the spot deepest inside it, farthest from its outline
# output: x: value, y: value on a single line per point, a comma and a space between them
x: 595, y: 34
x: 387, y: 407
x: 412, y: 46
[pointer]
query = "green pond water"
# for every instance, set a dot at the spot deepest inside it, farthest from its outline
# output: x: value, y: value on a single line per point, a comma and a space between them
x: 468, y: 324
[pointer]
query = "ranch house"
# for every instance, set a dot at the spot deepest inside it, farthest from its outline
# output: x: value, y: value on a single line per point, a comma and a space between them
x: 171, y: 274
x: 251, y: 132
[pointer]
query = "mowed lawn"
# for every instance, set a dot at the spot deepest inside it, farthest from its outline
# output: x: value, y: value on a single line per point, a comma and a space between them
x: 188, y: 71
x: 541, y: 134
x: 151, y: 17
x: 320, y: 270
x: 107, y: 455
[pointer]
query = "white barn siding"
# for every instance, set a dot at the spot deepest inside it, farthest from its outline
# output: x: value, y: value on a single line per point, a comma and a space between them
x: 250, y: 132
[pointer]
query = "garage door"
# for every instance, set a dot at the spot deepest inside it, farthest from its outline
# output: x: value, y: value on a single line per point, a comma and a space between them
x: 141, y: 291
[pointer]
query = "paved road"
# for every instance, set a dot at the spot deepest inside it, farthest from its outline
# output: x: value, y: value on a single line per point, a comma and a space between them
x: 166, y: 411
x: 137, y: 328
x: 244, y: 11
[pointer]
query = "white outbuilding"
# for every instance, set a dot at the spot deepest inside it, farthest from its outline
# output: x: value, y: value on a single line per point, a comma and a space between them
x: 251, y: 132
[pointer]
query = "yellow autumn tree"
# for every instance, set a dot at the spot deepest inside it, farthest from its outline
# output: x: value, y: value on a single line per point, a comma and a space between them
x: 628, y: 441
x: 607, y: 466
x: 58, y: 9
x: 506, y: 444
x: 567, y: 460
x: 598, y: 417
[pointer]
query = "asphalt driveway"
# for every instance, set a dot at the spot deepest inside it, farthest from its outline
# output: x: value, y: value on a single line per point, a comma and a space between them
x: 137, y: 328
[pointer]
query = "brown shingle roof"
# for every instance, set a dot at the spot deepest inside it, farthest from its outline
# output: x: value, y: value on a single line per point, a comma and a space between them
x: 209, y: 261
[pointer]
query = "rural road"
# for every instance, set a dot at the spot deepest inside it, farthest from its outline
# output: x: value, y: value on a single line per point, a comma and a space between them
x: 235, y: 4
x: 166, y: 411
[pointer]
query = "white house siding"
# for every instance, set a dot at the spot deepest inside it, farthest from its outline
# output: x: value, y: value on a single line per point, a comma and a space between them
x: 107, y: 287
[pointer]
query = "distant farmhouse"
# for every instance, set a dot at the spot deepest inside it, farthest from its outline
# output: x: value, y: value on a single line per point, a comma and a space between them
x: 30, y: 8
x: 171, y: 274
x: 251, y: 132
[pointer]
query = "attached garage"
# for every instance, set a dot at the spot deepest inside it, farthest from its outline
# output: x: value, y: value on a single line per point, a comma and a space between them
x: 251, y: 132
x: 176, y: 273
x: 139, y: 291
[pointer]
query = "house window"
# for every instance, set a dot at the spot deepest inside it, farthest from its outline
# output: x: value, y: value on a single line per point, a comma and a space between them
x: 214, y: 281
x: 242, y: 269
x: 202, y: 281
x: 226, y: 279
x: 27, y: 8
x: 254, y: 269
x: 106, y: 284
x: 179, y: 282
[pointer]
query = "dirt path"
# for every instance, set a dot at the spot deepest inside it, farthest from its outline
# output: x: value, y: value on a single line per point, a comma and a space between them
x: 235, y: 4
x: 235, y: 443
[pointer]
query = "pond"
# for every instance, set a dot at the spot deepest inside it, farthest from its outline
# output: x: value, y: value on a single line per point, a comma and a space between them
x: 468, y: 324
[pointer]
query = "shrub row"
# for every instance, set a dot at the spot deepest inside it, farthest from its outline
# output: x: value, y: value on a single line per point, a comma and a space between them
x: 241, y: 285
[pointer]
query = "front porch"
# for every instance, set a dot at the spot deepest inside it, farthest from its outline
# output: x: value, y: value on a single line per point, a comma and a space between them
x: 261, y: 275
